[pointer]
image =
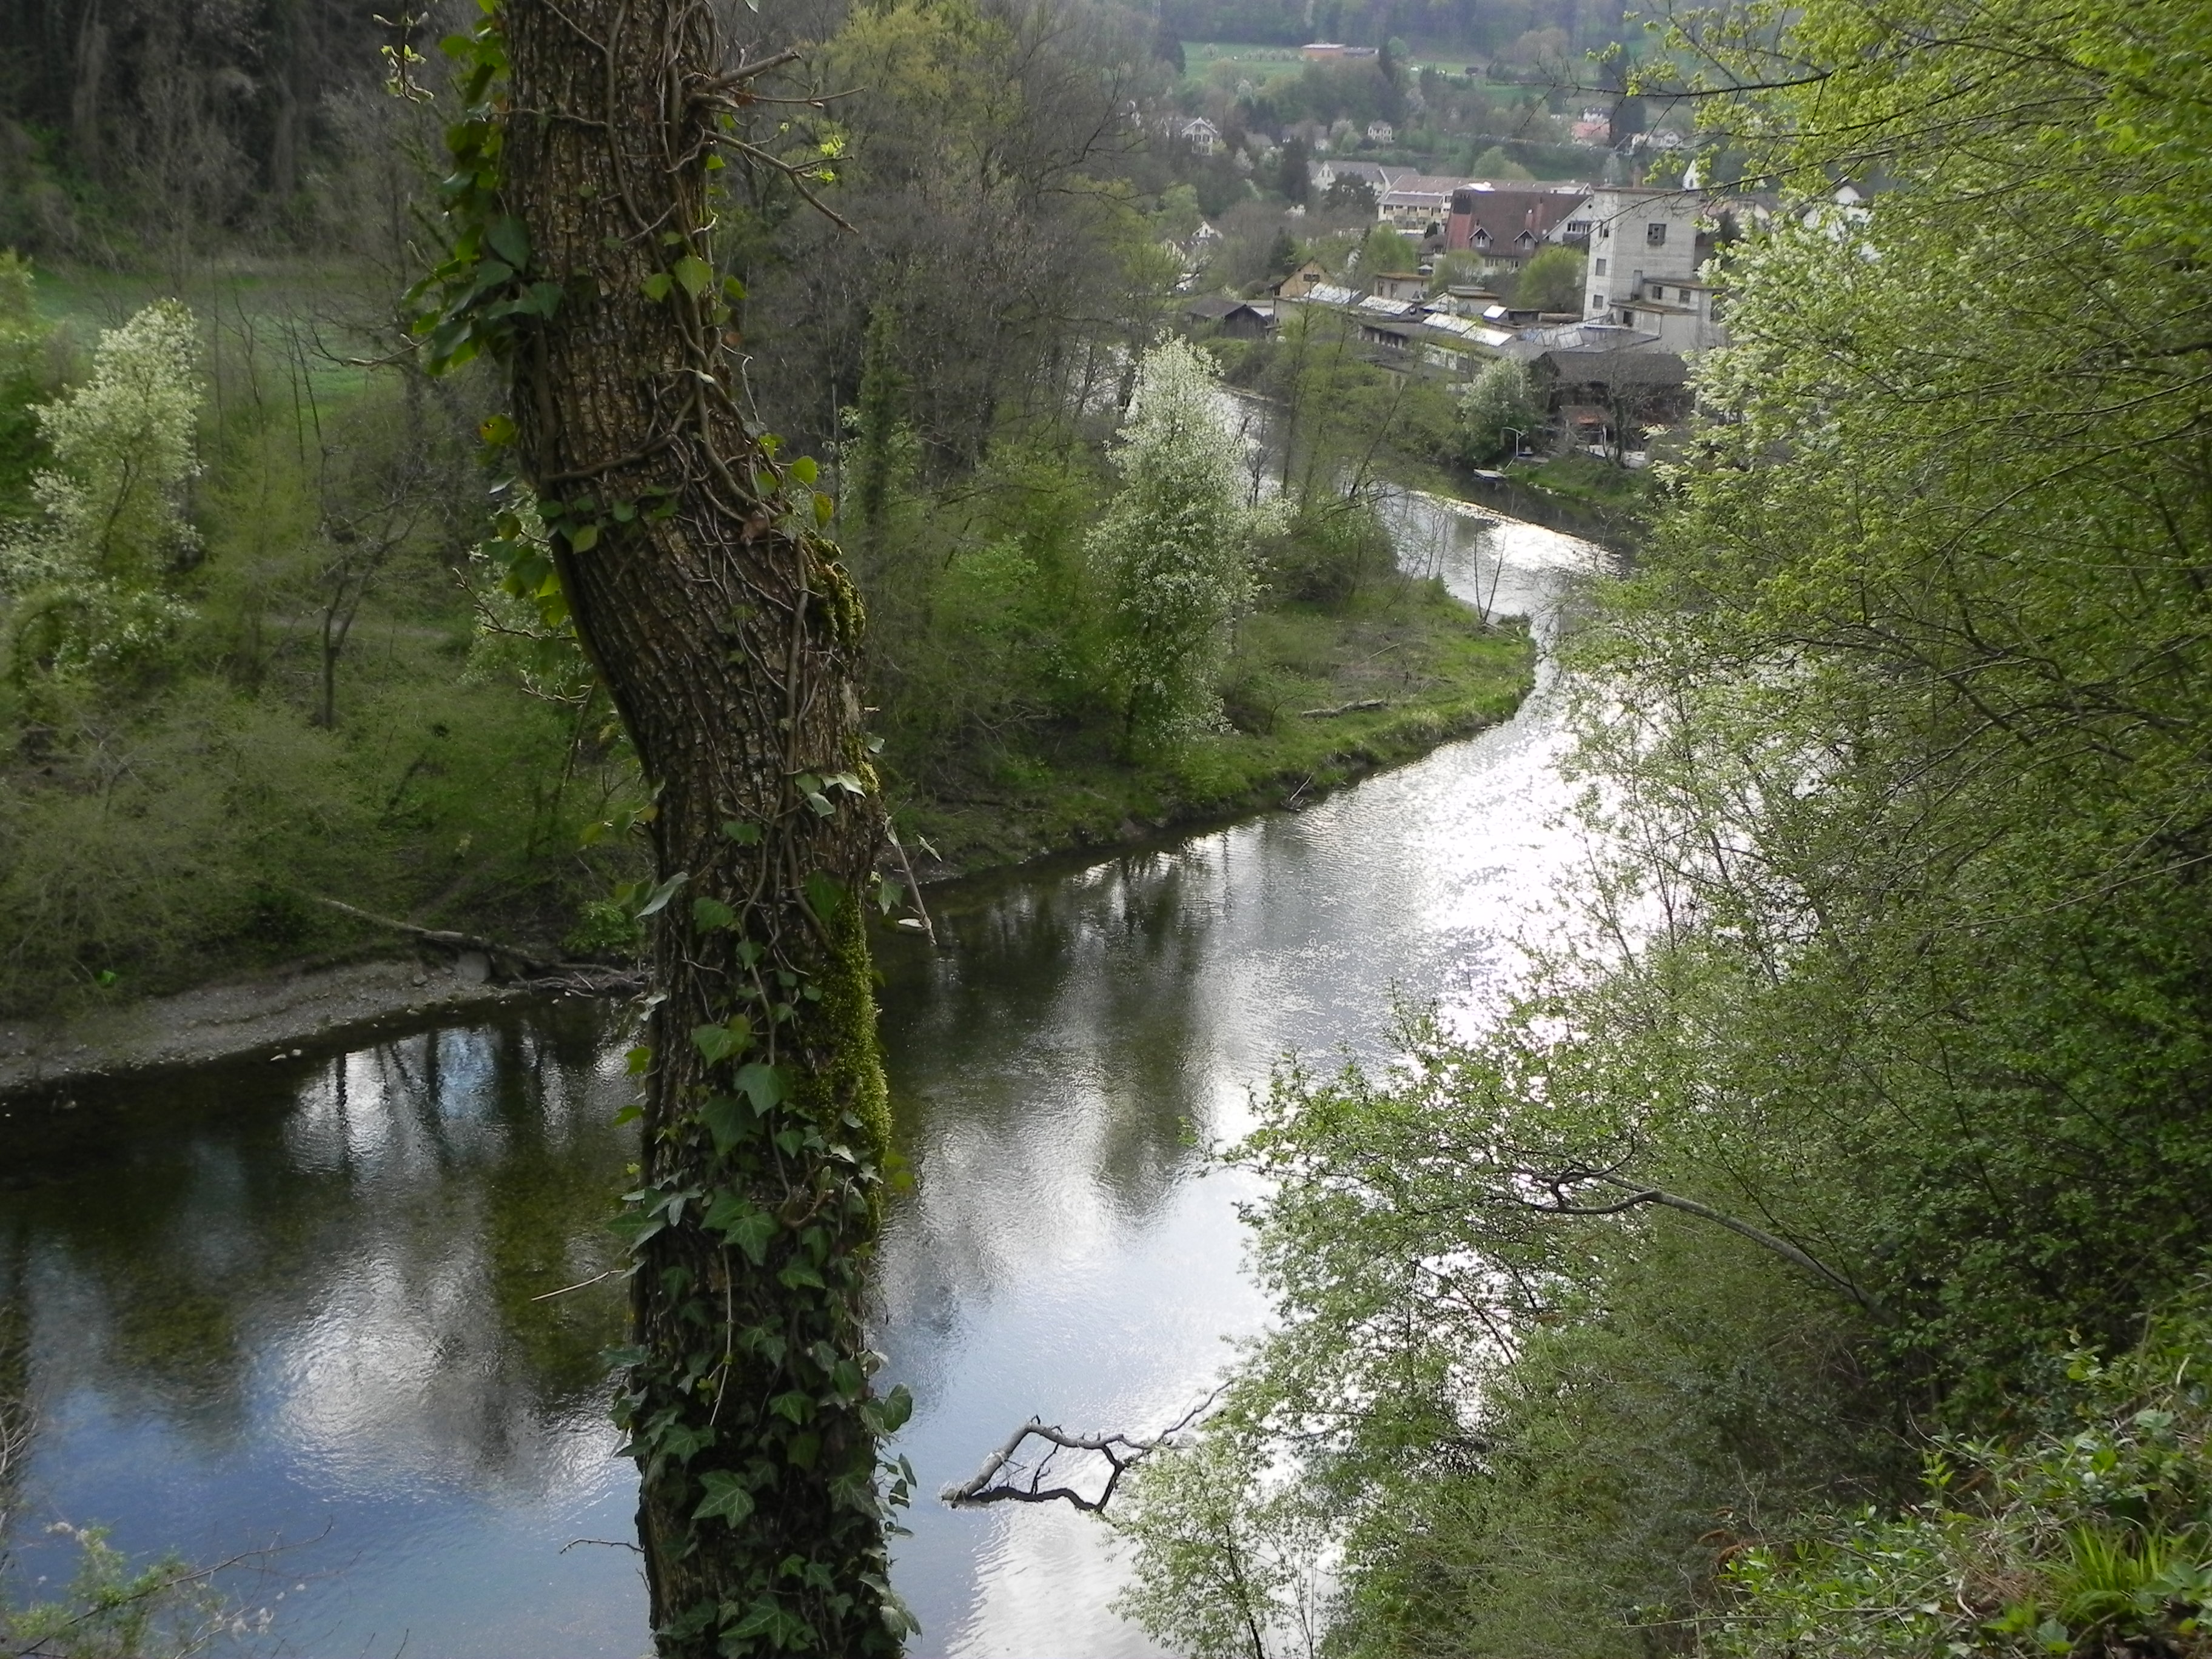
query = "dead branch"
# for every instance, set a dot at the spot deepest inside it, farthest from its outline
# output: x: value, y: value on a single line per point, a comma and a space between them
x: 1000, y: 1479
x: 446, y: 939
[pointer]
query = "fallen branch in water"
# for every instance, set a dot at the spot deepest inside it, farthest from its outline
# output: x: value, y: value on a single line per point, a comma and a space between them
x: 1120, y: 1451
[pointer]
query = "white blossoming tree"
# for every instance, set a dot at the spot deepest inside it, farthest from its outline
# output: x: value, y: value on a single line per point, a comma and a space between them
x: 1173, y: 553
x: 90, y: 577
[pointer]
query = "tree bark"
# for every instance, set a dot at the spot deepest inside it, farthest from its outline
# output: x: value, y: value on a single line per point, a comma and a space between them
x: 727, y: 635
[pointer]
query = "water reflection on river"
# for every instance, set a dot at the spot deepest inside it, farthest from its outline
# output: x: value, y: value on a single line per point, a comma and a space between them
x: 296, y: 1299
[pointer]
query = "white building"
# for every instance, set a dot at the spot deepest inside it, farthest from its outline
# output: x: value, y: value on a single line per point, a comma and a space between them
x: 1203, y: 135
x: 1643, y: 260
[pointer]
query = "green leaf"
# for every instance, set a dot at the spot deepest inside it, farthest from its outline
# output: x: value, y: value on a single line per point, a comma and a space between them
x: 732, y: 288
x: 794, y: 1406
x: 656, y: 286
x: 746, y: 835
x: 719, y: 1043
x: 709, y: 914
x: 510, y: 240
x: 663, y: 893
x: 694, y: 273
x: 496, y: 431
x: 804, y: 470
x: 629, y: 1114
x: 726, y: 1498
x: 764, y: 1085
x: 583, y: 537
x: 745, y: 1225
x: 723, y: 1116
x: 825, y: 894
x: 896, y: 1408
x: 796, y: 1273
x: 825, y: 508
x: 683, y: 1442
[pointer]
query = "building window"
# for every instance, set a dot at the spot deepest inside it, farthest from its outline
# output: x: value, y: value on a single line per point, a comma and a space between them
x: 1601, y: 267
x: 1658, y: 292
x: 1578, y: 227
x: 1597, y: 302
x: 1655, y: 234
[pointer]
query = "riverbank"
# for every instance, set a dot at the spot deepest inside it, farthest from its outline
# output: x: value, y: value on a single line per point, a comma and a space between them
x: 1315, y: 699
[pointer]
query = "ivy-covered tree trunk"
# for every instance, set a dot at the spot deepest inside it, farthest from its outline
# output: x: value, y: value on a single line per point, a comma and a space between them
x: 727, y: 634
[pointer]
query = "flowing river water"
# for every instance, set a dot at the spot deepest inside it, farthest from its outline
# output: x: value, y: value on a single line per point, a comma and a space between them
x: 305, y: 1304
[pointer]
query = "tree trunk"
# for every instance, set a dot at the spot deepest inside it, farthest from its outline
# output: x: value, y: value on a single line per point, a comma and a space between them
x: 727, y: 637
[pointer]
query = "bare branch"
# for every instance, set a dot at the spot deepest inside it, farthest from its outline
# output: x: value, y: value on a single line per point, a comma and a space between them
x: 1000, y: 1480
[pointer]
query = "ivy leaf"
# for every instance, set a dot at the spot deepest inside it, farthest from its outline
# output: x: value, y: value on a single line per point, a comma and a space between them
x: 510, y: 240
x: 683, y: 1442
x: 726, y: 1498
x: 719, y: 1043
x: 801, y: 1272
x: 806, y: 470
x: 656, y: 286
x: 763, y: 1085
x: 709, y: 913
x: 893, y: 1410
x: 746, y: 835
x: 694, y: 273
x: 745, y: 1225
x: 825, y: 894
x: 663, y: 893
x: 583, y: 537
x: 720, y: 1115
x: 795, y: 1407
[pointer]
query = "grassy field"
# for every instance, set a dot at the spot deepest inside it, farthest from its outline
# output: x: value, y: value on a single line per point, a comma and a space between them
x: 1401, y: 671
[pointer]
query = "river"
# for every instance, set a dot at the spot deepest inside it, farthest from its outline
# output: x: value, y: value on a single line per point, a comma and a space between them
x: 320, y: 1304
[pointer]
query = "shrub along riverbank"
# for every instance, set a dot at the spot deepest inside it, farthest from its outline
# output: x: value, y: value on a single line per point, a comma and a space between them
x: 256, y: 655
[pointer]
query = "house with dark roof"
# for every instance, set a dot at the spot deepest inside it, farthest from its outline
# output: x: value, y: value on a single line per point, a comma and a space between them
x: 1235, y: 319
x: 1504, y: 226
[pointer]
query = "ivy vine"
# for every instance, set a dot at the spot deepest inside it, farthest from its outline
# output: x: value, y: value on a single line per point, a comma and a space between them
x: 763, y: 1178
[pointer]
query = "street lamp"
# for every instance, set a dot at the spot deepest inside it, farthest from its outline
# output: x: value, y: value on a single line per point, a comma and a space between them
x: 1520, y: 438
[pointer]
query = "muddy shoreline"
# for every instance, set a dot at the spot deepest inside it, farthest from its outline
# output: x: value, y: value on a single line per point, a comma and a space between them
x: 267, y: 1015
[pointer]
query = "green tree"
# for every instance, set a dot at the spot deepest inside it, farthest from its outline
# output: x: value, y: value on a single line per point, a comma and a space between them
x: 1385, y: 250
x: 1495, y: 163
x: 1551, y: 280
x: 93, y: 577
x: 1499, y: 411
x: 22, y: 342
x: 1173, y: 550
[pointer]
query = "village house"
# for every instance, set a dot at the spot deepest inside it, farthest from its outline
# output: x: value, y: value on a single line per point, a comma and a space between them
x: 1376, y: 176
x: 1420, y: 204
x: 1504, y: 226
x: 1234, y: 320
x: 1643, y: 261
x: 1203, y: 135
x: 1300, y: 282
x: 1398, y: 285
x: 1380, y: 132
